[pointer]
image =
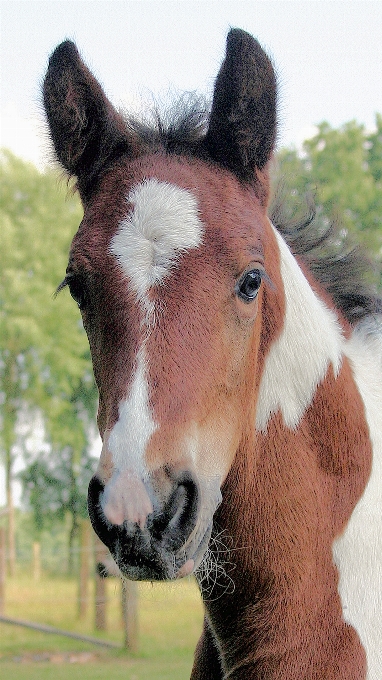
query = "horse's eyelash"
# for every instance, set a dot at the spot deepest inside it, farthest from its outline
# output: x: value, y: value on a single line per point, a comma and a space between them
x: 61, y: 286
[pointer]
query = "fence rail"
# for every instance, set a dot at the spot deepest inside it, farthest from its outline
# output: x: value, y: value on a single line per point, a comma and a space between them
x: 94, y: 563
x: 42, y: 628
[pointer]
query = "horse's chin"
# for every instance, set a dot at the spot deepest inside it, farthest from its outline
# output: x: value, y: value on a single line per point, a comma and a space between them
x: 152, y: 562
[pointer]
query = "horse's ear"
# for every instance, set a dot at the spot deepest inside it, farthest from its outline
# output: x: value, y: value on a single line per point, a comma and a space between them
x: 242, y: 128
x: 87, y: 132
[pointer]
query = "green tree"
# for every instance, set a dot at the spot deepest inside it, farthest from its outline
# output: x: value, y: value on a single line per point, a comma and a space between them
x: 342, y: 169
x: 44, y: 355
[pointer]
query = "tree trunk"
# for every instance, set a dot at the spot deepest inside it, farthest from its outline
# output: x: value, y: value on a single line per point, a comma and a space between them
x: 73, y: 535
x: 83, y: 585
x: 2, y: 570
x: 101, y: 553
x: 36, y: 570
x: 130, y: 614
x: 11, y: 519
x: 10, y: 418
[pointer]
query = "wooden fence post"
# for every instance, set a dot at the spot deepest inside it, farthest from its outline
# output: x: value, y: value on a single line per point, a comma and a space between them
x: 129, y: 595
x: 3, y: 570
x: 83, y: 586
x: 11, y: 533
x: 36, y: 561
x: 100, y: 586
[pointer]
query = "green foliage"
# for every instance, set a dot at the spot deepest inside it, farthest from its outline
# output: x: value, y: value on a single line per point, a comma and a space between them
x: 342, y: 169
x: 44, y: 355
x: 54, y: 486
x: 374, y: 148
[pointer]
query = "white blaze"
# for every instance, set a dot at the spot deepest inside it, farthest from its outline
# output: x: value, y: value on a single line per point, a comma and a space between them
x: 163, y: 223
x: 129, y: 437
x: 126, y: 496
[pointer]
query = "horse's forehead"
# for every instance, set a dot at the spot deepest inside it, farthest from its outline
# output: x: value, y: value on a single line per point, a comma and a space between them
x: 162, y: 223
x: 154, y: 208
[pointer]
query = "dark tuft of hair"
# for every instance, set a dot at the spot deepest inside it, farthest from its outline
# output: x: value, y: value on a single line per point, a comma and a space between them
x: 340, y: 266
x: 176, y: 129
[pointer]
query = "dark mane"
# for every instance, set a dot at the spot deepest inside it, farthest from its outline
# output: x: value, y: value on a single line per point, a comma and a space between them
x: 338, y: 264
x: 176, y: 129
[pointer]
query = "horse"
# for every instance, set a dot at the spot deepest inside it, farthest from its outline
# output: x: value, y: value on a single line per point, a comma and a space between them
x: 238, y: 363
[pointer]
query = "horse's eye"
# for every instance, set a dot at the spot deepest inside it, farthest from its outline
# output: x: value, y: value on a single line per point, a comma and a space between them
x: 77, y: 291
x: 249, y: 284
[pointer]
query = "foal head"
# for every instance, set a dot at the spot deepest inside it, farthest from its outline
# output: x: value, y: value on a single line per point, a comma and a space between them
x: 172, y: 268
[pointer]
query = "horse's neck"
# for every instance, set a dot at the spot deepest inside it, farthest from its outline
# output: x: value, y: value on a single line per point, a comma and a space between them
x: 288, y: 495
x: 306, y: 383
x: 311, y: 339
x: 289, y: 486
x: 295, y: 481
x: 305, y: 459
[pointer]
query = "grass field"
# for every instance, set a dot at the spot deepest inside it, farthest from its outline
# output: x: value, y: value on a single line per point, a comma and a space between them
x: 170, y: 619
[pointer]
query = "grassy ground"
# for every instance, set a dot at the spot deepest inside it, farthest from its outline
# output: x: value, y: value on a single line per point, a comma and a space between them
x: 170, y: 619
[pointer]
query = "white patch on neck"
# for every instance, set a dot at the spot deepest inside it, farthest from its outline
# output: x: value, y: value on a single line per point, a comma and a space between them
x: 129, y: 437
x: 298, y: 360
x: 358, y: 552
x: 164, y: 223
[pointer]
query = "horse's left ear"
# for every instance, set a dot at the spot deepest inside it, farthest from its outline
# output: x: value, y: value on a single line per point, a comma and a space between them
x: 87, y: 132
x: 242, y: 128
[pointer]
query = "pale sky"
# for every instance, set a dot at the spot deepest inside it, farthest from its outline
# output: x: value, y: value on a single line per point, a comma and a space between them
x: 328, y: 55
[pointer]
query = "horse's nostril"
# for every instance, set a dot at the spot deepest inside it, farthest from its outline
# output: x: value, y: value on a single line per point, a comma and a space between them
x: 104, y: 530
x: 173, y: 525
x: 95, y: 490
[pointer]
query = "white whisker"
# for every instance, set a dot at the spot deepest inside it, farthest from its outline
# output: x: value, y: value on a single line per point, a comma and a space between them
x: 212, y: 574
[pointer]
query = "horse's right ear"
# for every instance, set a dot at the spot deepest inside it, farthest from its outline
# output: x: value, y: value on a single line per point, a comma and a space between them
x: 87, y: 132
x: 242, y: 128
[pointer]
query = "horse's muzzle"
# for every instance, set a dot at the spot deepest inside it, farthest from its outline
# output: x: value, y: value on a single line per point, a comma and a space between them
x: 160, y: 549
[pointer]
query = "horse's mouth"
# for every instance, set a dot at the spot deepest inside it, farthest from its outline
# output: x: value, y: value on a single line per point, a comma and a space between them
x: 170, y: 545
x: 141, y: 558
